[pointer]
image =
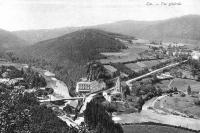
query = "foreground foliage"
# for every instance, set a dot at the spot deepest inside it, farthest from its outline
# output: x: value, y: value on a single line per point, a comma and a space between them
x: 98, y: 119
x: 20, y: 112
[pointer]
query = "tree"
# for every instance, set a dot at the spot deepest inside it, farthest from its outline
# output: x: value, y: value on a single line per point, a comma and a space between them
x: 198, y: 77
x: 49, y: 90
x: 175, y: 89
x: 127, y: 91
x: 159, y: 91
x: 68, y: 109
x: 140, y: 103
x: 137, y: 92
x: 189, y: 90
x: 96, y: 117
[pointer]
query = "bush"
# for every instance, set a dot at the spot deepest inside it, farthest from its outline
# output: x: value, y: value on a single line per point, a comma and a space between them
x: 41, y: 93
x: 49, y: 90
x: 68, y: 109
x: 182, y: 95
x: 197, y: 102
x: 22, y: 113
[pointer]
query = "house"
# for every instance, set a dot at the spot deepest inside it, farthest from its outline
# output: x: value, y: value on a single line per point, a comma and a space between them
x: 3, y: 59
x: 4, y: 80
x: 114, y: 96
x: 15, y: 81
x: 111, y: 70
x: 4, y: 75
x: 164, y: 76
x: 195, y: 55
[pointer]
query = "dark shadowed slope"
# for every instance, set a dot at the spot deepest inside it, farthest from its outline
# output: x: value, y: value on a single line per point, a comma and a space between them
x: 67, y: 55
x: 79, y: 46
x: 10, y: 41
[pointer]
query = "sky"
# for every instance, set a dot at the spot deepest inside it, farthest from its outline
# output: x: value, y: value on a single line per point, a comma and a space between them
x: 46, y: 14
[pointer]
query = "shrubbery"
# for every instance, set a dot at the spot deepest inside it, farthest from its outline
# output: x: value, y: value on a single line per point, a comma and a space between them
x: 97, y: 119
x: 21, y: 113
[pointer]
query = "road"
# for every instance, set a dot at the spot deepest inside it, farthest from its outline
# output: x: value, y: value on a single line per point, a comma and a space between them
x: 149, y: 115
x: 169, y: 119
x: 152, y: 72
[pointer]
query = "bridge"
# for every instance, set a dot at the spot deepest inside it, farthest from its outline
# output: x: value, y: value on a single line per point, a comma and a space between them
x: 152, y: 72
x: 76, y: 98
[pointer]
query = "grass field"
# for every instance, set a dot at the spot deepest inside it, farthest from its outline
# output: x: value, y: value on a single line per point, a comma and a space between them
x: 142, y: 64
x: 138, y: 128
x: 126, y: 55
x: 163, y: 84
x: 183, y: 105
x: 182, y: 84
x: 152, y: 63
x: 134, y: 67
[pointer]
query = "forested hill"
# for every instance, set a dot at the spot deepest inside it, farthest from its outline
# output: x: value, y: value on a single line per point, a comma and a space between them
x: 185, y: 28
x: 68, y: 54
x: 9, y: 41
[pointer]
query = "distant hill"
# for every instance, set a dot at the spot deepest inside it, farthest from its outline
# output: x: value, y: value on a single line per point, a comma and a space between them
x: 67, y: 55
x: 183, y: 29
x: 34, y: 36
x: 9, y: 41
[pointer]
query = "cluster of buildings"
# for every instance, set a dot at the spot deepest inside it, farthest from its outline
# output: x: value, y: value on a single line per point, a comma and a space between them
x: 113, y: 93
x: 177, y: 51
x: 172, y: 49
x: 17, y: 83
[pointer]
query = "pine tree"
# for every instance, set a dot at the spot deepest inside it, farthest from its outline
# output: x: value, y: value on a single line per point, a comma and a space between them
x: 189, y: 90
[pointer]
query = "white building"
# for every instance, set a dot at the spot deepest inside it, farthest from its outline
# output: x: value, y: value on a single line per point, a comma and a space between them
x: 164, y: 76
x: 89, y: 86
x: 110, y: 69
x: 195, y: 55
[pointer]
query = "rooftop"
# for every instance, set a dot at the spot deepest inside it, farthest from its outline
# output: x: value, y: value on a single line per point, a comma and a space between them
x: 110, y: 68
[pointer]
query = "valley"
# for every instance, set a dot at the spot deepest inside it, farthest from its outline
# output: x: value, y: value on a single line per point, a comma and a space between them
x: 118, y: 77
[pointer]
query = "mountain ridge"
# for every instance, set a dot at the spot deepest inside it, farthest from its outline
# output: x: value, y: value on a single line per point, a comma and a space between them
x: 169, y: 29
